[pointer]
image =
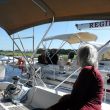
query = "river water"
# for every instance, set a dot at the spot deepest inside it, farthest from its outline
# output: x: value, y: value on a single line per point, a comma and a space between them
x: 10, y: 72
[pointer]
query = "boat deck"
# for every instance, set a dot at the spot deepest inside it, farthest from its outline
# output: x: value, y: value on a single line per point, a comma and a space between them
x: 11, y: 106
x: 8, y: 105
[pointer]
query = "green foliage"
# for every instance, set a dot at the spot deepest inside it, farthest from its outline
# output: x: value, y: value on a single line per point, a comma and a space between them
x: 63, y: 52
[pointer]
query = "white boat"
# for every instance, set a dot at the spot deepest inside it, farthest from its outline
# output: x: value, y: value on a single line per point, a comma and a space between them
x: 17, y: 15
x: 56, y: 74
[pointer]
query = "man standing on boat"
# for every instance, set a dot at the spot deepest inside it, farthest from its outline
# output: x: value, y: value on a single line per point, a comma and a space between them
x: 53, y: 57
x: 42, y: 58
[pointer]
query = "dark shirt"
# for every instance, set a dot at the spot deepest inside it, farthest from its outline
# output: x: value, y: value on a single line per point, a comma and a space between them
x: 71, y: 55
x: 87, y: 92
x: 52, y: 59
x: 42, y: 59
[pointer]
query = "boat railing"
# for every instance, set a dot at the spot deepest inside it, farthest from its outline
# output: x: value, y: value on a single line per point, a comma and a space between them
x: 105, y: 87
x: 67, y: 77
x: 35, y: 78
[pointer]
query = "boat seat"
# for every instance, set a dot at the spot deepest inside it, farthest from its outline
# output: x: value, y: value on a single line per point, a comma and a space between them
x: 42, y: 97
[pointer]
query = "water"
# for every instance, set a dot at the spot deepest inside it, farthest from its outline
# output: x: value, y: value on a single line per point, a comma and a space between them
x: 10, y: 72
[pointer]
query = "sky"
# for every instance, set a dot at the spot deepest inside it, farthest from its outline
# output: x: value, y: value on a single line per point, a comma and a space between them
x: 58, y: 28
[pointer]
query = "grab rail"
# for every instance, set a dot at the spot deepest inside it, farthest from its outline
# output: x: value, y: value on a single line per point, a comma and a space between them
x: 67, y: 78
